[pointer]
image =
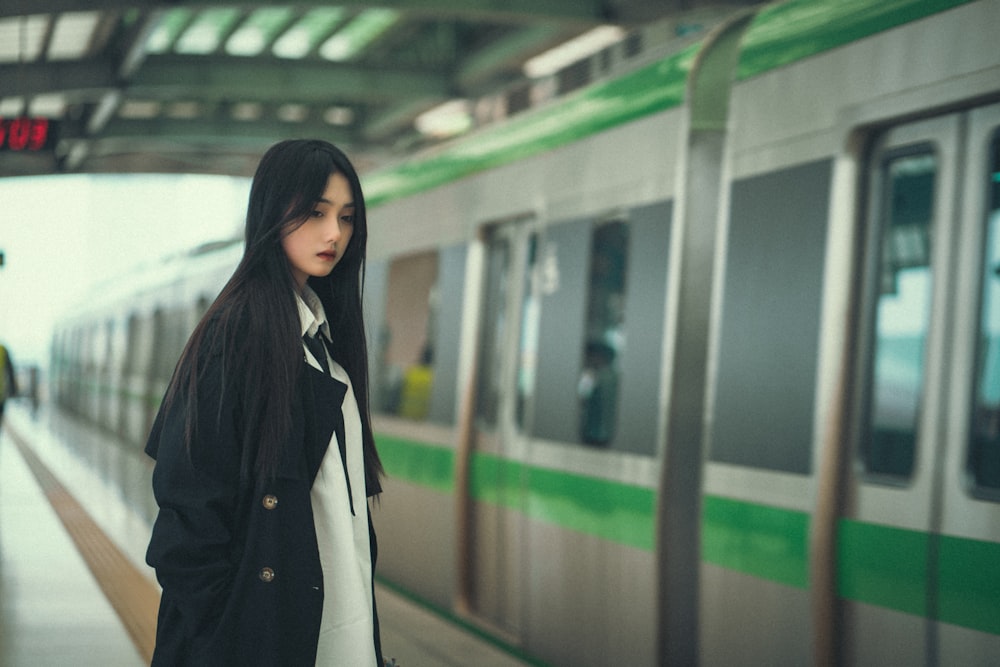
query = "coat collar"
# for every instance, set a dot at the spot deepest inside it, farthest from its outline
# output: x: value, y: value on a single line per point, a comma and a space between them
x: 312, y: 315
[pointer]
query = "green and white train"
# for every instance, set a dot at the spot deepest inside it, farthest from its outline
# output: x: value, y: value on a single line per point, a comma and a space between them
x: 696, y: 364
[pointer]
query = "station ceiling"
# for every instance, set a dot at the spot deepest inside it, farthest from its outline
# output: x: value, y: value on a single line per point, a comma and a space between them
x: 204, y: 87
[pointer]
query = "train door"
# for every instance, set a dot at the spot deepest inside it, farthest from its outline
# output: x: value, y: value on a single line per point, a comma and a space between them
x: 507, y: 334
x: 901, y: 496
x: 967, y: 550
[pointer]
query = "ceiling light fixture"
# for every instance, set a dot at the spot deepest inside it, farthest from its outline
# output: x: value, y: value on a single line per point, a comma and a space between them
x: 572, y: 51
x: 446, y: 120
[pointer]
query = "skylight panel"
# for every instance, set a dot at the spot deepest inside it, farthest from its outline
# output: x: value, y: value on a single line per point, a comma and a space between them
x: 258, y: 31
x: 358, y: 34
x: 166, y: 32
x: 206, y: 32
x: 72, y: 35
x: 307, y: 32
x: 21, y: 38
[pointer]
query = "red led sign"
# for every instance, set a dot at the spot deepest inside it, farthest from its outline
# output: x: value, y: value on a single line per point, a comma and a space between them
x: 26, y: 134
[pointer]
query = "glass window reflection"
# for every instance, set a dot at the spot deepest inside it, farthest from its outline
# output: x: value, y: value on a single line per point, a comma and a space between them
x: 597, y: 388
x: 901, y: 317
x: 406, y: 341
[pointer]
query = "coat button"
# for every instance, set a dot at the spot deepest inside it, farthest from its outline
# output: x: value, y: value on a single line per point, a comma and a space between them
x: 266, y: 575
x: 269, y: 502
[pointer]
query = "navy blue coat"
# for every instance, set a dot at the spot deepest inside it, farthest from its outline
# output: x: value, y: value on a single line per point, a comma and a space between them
x: 237, y: 559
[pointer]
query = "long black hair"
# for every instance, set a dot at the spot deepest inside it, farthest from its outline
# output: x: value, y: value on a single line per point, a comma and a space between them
x: 254, y: 322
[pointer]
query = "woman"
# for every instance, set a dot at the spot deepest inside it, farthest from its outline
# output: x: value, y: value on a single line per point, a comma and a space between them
x: 264, y: 452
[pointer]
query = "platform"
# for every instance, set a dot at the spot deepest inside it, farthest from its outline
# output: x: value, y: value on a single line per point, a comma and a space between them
x: 74, y: 589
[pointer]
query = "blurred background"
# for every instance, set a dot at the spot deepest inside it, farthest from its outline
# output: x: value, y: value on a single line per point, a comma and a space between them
x: 62, y: 236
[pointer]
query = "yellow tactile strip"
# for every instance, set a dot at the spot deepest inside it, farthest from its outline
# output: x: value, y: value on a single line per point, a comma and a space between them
x: 134, y: 597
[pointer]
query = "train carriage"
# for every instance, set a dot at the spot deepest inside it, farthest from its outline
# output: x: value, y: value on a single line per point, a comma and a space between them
x: 697, y: 363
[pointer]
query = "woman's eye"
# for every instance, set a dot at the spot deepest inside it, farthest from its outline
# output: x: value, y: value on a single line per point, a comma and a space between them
x: 317, y: 214
x: 347, y: 219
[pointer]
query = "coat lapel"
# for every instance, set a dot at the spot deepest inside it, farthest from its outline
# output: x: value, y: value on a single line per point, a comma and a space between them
x: 324, y: 399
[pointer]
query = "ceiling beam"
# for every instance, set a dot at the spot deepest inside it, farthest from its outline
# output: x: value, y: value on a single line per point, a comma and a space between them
x: 381, y: 125
x: 130, y: 156
x: 79, y: 79
x: 583, y: 12
x: 132, y: 57
x: 507, y: 52
x: 135, y: 46
x: 218, y: 78
x: 223, y: 131
x: 274, y: 80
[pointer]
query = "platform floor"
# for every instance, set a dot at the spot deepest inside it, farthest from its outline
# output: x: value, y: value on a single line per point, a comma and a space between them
x: 81, y: 596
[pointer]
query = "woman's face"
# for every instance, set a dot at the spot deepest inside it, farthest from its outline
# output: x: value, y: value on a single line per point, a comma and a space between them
x: 314, y: 247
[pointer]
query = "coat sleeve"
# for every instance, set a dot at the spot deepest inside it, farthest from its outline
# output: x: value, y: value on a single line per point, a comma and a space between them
x: 196, y: 487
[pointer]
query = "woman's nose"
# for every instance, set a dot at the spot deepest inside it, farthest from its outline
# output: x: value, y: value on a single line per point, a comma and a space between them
x: 333, y: 231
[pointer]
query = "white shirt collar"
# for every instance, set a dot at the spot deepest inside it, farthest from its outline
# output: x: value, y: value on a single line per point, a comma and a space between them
x: 312, y: 316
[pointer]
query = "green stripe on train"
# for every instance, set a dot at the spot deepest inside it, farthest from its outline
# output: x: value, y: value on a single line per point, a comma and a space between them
x: 609, y: 510
x: 882, y: 565
x: 878, y: 565
x: 779, y: 35
x: 766, y: 542
x: 417, y: 463
x: 613, y: 511
x: 652, y: 88
x: 888, y: 567
x: 784, y: 33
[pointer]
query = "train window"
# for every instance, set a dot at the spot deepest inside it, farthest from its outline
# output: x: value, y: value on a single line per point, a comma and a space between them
x: 603, y: 342
x: 406, y: 376
x: 901, y: 318
x: 984, y: 448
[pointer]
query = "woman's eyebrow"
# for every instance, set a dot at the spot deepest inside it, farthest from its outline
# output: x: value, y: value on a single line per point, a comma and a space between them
x: 324, y: 200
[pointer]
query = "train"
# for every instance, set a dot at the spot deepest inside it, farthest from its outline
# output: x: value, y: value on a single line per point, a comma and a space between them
x: 693, y: 363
